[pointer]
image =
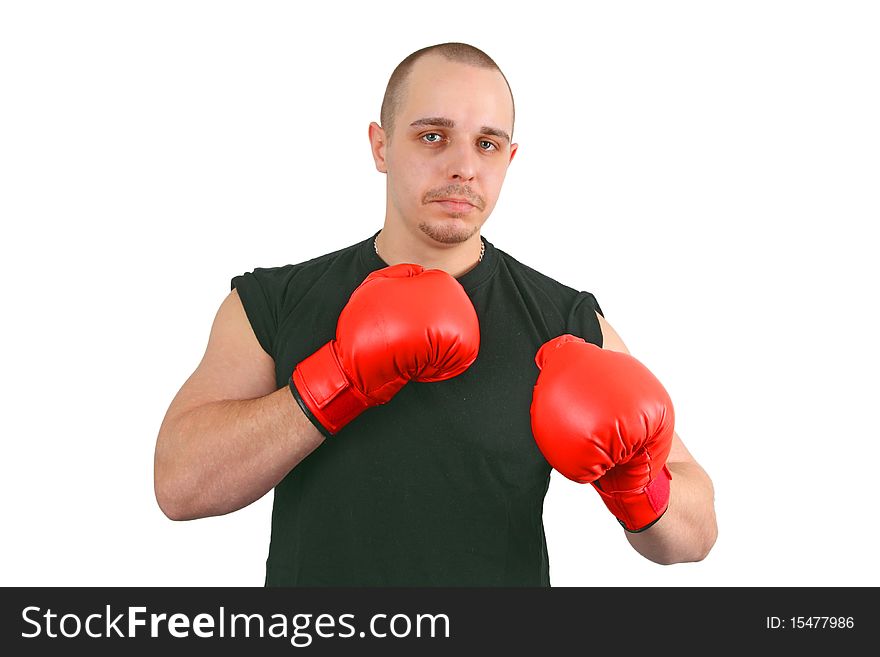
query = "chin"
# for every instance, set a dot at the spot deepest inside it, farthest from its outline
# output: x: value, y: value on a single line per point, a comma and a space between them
x: 453, y: 230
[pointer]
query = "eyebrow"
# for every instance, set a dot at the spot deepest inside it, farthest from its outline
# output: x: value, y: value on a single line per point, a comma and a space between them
x: 443, y: 122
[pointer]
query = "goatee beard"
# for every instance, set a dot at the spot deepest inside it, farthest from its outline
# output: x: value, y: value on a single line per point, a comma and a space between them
x: 446, y: 234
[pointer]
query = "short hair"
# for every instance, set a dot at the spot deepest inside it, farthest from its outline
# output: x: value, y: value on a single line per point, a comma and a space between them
x: 453, y: 51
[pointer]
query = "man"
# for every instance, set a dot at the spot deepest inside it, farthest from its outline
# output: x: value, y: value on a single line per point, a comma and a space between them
x: 406, y: 397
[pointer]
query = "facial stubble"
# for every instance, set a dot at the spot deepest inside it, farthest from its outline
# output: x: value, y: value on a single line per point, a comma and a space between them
x: 446, y: 233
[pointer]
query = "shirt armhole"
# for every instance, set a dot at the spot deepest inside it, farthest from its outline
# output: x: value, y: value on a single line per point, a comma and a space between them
x: 259, y: 311
x: 582, y: 320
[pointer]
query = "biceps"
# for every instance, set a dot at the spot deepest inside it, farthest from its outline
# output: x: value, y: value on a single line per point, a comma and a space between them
x: 234, y: 365
x: 678, y: 452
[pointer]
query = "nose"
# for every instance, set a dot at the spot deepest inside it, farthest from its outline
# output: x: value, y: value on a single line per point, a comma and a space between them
x: 461, y: 164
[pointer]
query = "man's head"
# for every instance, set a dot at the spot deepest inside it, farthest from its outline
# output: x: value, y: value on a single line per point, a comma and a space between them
x: 445, y: 141
x: 454, y: 52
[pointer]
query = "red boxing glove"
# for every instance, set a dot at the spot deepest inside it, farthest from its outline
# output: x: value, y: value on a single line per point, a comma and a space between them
x: 403, y: 323
x: 601, y: 417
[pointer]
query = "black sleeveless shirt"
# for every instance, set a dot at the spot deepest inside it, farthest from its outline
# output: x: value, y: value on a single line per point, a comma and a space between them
x: 443, y: 485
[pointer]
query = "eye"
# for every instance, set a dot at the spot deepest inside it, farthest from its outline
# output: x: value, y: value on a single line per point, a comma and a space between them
x: 487, y: 145
x: 432, y: 137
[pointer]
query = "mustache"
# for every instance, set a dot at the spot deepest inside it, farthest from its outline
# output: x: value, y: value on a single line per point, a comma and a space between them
x: 458, y: 191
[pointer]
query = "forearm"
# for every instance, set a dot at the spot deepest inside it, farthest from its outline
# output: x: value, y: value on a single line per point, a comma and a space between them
x: 222, y: 456
x: 688, y: 529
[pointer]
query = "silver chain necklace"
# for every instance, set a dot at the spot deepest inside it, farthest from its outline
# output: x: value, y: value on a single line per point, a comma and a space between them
x: 482, y: 247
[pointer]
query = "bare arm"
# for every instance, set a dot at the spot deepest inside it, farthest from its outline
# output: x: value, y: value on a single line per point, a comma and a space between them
x: 688, y: 529
x: 229, y: 436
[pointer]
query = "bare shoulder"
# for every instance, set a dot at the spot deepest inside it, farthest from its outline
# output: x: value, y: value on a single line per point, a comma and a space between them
x: 234, y: 366
x: 612, y: 341
x: 610, y: 338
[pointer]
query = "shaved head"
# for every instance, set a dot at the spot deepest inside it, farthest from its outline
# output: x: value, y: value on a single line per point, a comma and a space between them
x: 455, y: 52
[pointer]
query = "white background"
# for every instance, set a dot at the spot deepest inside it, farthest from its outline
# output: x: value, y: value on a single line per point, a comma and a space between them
x: 709, y: 170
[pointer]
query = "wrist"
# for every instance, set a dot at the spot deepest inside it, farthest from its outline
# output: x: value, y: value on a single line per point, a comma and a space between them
x: 325, y: 393
x: 637, y: 510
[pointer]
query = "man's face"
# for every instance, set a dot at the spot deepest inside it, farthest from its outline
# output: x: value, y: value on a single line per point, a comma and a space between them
x: 450, y: 148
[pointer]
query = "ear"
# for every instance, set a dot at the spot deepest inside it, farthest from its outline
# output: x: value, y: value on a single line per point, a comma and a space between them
x: 513, y: 149
x: 378, y: 141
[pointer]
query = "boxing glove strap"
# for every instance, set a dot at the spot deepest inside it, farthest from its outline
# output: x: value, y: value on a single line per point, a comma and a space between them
x: 307, y: 411
x: 637, y: 510
x: 324, y: 392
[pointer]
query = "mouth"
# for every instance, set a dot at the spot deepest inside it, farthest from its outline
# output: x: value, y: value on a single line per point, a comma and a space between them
x: 457, y: 205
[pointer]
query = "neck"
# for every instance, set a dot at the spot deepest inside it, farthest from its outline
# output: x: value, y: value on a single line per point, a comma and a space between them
x: 396, y: 247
